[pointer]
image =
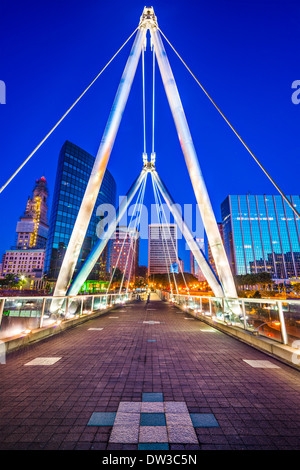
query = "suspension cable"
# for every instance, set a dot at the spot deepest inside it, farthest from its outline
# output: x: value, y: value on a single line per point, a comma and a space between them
x: 164, y: 236
x: 233, y: 129
x: 153, y: 99
x: 164, y: 239
x: 132, y: 240
x: 177, y: 258
x: 130, y: 270
x: 113, y: 273
x: 66, y: 113
x: 144, y: 99
x: 156, y: 204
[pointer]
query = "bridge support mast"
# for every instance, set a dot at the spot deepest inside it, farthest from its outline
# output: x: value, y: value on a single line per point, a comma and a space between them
x: 191, y: 159
x: 97, y: 174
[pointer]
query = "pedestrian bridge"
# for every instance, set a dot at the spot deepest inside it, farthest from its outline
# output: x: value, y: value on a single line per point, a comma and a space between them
x: 146, y: 374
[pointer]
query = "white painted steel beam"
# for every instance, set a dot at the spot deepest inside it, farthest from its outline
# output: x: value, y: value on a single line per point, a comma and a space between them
x: 191, y: 159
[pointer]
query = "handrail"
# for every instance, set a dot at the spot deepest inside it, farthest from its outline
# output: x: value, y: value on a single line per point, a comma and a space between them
x: 240, y: 321
x: 64, y: 312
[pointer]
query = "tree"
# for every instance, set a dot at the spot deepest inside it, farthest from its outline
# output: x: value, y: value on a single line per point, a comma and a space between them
x: 9, y: 281
x: 256, y: 295
x: 139, y: 282
x: 117, y: 277
x: 251, y: 279
x: 296, y: 288
x: 163, y: 279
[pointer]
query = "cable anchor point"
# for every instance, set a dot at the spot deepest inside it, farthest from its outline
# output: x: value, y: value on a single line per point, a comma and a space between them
x: 148, y: 19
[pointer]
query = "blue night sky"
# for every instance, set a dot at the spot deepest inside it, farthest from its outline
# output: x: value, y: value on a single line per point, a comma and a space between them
x: 245, y: 53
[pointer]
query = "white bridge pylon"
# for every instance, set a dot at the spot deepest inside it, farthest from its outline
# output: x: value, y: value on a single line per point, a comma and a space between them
x: 223, y: 286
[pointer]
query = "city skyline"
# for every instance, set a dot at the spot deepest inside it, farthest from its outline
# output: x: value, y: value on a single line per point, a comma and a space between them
x: 263, y: 223
x: 255, y: 94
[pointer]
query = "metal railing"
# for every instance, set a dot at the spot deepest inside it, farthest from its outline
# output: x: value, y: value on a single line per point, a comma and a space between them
x: 276, y: 319
x: 21, y: 315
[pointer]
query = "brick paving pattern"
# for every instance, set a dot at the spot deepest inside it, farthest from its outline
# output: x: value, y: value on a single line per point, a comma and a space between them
x: 185, y: 386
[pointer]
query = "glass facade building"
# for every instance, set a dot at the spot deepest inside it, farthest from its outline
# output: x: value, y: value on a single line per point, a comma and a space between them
x: 261, y: 234
x: 73, y: 172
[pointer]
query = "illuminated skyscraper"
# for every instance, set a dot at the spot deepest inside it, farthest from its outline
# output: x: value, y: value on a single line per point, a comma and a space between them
x: 26, y: 259
x: 162, y: 248
x: 261, y: 233
x: 32, y: 228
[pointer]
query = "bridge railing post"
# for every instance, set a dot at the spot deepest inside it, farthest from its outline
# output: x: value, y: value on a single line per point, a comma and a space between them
x: 244, y: 314
x: 42, y: 312
x: 2, y: 302
x: 66, y: 307
x: 282, y: 323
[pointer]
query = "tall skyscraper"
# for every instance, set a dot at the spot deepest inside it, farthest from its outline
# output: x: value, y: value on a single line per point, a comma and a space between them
x: 73, y: 172
x: 27, y: 258
x: 261, y: 233
x: 125, y: 251
x: 32, y: 228
x: 162, y: 248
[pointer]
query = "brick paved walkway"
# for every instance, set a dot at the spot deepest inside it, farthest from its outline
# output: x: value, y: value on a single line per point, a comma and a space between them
x: 147, y: 377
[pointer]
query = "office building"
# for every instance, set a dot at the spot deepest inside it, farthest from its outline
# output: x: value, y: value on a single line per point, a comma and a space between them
x: 73, y: 172
x: 261, y: 233
x: 125, y: 252
x: 162, y: 248
x: 27, y: 263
